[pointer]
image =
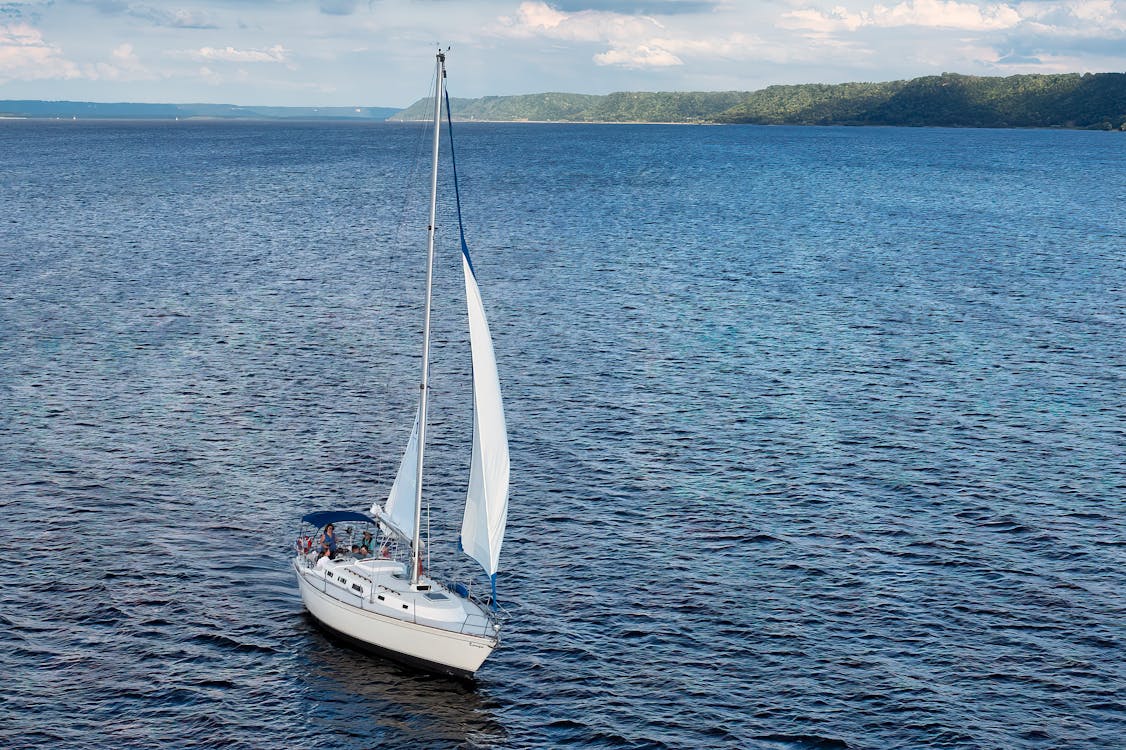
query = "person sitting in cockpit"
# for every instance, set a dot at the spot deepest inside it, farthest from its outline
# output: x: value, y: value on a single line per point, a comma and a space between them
x: 367, y: 545
x: 328, y: 540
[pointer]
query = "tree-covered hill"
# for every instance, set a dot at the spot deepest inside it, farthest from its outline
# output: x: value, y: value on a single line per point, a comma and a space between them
x: 628, y: 106
x: 552, y: 107
x: 644, y: 106
x: 1066, y: 100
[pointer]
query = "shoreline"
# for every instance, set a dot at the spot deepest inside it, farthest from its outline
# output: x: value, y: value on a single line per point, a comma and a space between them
x: 401, y: 123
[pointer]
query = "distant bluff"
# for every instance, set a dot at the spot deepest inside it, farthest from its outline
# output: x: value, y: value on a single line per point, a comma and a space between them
x: 1066, y: 100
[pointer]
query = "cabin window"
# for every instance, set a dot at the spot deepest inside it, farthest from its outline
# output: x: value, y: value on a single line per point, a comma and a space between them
x: 356, y: 587
x: 381, y: 598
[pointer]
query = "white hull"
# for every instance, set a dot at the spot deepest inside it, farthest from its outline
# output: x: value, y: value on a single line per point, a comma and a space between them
x: 452, y: 636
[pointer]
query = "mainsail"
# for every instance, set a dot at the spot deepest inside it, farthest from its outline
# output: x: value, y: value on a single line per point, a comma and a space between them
x: 486, y: 503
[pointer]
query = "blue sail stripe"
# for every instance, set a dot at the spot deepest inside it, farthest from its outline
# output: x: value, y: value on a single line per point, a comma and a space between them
x: 457, y: 191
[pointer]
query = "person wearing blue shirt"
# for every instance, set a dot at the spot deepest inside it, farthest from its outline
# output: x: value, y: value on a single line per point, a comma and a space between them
x: 328, y: 540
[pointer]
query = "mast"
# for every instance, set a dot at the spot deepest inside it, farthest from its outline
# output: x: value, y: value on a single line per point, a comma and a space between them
x: 424, y: 387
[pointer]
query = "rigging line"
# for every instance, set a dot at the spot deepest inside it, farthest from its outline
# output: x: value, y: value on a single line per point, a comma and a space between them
x: 409, y: 179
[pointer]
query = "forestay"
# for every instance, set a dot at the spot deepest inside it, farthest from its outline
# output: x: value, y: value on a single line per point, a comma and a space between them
x: 486, y: 502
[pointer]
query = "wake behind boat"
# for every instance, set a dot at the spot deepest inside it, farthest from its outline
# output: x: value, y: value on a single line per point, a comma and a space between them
x: 370, y: 589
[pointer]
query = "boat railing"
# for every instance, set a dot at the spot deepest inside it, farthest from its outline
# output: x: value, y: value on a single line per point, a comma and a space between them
x: 486, y: 603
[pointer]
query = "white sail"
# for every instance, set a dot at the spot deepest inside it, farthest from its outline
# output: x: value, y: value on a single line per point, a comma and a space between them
x: 486, y: 504
x: 399, y: 509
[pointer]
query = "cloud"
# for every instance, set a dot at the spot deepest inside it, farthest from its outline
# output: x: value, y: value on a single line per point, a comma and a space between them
x: 24, y: 55
x: 275, y: 54
x: 338, y: 7
x: 537, y: 19
x: 124, y: 65
x: 13, y: 12
x: 935, y: 14
x: 989, y: 38
x: 631, y: 41
x: 946, y: 14
x: 178, y: 18
x: 1094, y: 17
x: 639, y: 56
x: 213, y: 78
x: 124, y: 54
x: 639, y: 7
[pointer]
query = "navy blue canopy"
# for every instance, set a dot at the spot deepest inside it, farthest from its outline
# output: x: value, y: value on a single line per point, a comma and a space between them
x: 325, y: 517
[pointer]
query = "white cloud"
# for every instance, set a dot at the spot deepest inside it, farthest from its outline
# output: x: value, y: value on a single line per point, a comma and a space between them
x: 629, y: 38
x: 124, y: 65
x: 215, y: 78
x: 210, y: 76
x: 935, y: 14
x: 24, y: 55
x: 538, y: 19
x: 639, y: 56
x: 275, y: 54
x: 632, y: 41
x: 946, y: 14
x: 1103, y: 13
x: 177, y: 18
x: 338, y: 7
x: 822, y: 22
x: 1090, y: 17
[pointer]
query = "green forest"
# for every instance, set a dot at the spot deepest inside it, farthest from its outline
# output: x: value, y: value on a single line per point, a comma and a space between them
x: 1067, y: 100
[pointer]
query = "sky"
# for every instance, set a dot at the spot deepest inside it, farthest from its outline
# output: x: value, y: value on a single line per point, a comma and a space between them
x: 380, y: 52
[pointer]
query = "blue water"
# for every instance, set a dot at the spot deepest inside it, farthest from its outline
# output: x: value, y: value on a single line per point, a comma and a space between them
x: 817, y: 433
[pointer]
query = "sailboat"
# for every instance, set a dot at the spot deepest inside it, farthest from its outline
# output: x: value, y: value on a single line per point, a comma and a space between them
x: 371, y: 589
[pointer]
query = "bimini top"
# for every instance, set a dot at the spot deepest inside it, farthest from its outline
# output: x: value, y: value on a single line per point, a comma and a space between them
x: 325, y: 517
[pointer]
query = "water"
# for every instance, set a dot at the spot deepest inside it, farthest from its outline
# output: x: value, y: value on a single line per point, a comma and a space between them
x: 817, y: 434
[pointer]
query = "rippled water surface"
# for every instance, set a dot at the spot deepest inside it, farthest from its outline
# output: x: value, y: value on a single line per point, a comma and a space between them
x: 817, y: 434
